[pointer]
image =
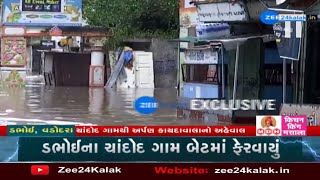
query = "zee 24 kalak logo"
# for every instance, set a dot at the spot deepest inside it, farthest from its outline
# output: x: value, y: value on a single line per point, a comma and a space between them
x: 268, y: 125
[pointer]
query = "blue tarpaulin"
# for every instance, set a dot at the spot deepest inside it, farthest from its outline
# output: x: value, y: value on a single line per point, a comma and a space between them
x: 125, y: 56
x: 128, y: 55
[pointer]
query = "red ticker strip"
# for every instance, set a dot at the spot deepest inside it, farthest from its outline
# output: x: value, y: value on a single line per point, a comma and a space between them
x: 3, y: 130
x: 313, y: 131
x: 161, y: 170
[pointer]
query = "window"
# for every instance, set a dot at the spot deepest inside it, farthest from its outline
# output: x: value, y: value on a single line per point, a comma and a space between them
x: 200, y: 73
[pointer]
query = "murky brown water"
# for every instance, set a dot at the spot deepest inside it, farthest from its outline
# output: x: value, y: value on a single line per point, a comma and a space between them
x: 39, y: 104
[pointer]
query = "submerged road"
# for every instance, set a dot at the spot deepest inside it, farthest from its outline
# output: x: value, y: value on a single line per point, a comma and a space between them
x: 39, y: 104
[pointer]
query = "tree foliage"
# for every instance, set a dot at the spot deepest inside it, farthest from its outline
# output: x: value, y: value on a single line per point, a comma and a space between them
x: 134, y: 18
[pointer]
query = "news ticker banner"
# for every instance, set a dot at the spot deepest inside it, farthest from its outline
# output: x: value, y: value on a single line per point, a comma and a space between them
x: 160, y: 170
x: 160, y: 149
x: 262, y: 129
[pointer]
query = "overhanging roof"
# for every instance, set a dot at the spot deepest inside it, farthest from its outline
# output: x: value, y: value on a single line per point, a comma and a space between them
x: 230, y: 42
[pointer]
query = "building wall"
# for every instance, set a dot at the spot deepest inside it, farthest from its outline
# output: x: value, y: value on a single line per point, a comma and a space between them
x: 165, y: 56
x: 165, y: 59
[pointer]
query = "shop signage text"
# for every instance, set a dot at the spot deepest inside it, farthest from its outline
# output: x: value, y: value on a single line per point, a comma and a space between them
x: 217, y: 12
x: 201, y: 56
x: 42, y: 13
x: 47, y: 44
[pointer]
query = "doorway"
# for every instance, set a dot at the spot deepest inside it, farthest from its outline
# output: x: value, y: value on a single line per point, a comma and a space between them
x: 36, y: 60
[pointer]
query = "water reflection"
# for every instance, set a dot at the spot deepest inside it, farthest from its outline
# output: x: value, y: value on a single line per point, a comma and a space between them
x: 96, y: 100
x: 38, y: 104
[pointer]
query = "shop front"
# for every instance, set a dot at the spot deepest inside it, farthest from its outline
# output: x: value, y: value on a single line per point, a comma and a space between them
x: 237, y: 74
x: 249, y: 66
x: 74, y: 56
x: 52, y: 34
x: 19, y: 18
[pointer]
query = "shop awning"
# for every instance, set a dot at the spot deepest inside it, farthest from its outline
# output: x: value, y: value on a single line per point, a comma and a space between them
x: 230, y: 42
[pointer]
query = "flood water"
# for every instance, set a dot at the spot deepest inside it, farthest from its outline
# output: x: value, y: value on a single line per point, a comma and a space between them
x: 39, y: 104
x: 36, y: 104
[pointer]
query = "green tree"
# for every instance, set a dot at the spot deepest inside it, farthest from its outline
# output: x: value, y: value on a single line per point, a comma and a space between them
x: 134, y: 18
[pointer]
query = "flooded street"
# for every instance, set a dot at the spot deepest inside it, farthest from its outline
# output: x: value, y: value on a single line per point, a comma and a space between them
x: 36, y: 104
x: 39, y: 104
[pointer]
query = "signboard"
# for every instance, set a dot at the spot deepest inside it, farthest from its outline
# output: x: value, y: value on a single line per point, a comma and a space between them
x: 311, y: 111
x: 288, y: 36
x: 47, y: 44
x: 217, y: 12
x: 201, y: 56
x: 41, y: 6
x: 13, y: 52
x: 188, y: 14
x: 43, y: 12
x: 13, y: 31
